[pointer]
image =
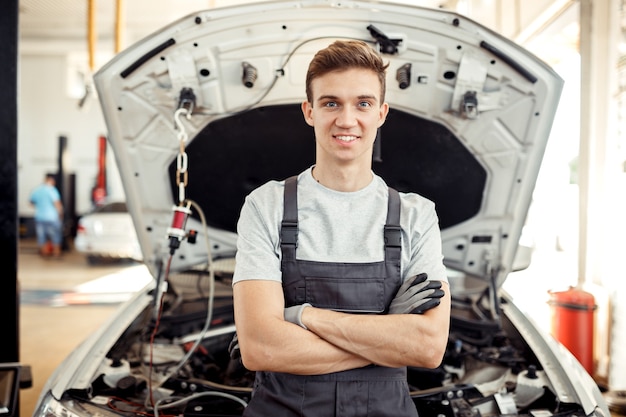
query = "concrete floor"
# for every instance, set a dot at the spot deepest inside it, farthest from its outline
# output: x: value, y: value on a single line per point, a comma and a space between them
x: 62, y: 301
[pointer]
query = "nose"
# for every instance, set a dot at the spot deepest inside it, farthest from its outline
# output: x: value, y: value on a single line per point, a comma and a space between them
x: 347, y: 117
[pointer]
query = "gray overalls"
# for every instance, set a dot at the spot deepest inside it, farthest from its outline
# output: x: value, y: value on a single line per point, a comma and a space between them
x: 349, y: 287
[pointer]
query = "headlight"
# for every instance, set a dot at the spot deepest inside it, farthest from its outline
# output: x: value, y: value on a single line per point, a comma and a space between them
x: 50, y: 407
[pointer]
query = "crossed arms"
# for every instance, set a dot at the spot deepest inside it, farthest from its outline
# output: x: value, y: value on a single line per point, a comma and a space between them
x: 333, y: 341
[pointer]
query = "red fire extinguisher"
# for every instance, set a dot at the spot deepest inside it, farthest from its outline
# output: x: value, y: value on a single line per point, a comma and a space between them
x: 573, y: 323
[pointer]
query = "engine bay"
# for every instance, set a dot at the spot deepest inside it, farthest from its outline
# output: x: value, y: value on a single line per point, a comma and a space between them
x: 173, y: 363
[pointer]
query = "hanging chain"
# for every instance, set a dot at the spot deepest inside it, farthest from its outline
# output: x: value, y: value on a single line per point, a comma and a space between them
x: 182, y: 175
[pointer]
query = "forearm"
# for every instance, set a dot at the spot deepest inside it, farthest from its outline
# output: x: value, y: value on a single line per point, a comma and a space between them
x: 269, y: 343
x: 291, y: 349
x: 392, y: 340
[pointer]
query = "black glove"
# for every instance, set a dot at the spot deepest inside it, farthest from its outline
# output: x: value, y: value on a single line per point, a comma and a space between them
x: 416, y: 295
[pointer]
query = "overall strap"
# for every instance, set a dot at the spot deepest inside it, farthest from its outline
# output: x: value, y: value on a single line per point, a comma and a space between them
x: 289, y: 224
x: 393, y: 232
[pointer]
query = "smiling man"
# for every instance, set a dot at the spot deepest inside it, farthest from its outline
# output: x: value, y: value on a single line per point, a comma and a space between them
x: 339, y: 281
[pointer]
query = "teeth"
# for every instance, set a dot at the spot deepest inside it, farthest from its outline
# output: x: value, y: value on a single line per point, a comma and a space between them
x: 346, y: 138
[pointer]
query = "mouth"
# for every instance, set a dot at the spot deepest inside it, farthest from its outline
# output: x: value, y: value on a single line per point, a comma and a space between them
x: 346, y: 138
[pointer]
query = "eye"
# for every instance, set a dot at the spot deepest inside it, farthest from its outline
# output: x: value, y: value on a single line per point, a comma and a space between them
x: 330, y: 104
x: 364, y: 104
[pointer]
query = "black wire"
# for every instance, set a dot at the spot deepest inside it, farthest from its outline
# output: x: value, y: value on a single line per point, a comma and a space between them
x: 155, y: 330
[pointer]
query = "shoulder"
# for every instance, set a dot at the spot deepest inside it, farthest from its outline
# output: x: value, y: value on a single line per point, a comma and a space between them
x: 269, y: 189
x: 414, y: 201
x: 54, y: 193
x: 417, y: 212
x: 262, y: 203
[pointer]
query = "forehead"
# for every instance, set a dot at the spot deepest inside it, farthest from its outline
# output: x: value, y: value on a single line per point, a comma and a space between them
x: 351, y: 82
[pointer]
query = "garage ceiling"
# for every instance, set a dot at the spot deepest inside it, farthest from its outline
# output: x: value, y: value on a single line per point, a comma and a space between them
x: 67, y: 20
x: 53, y: 26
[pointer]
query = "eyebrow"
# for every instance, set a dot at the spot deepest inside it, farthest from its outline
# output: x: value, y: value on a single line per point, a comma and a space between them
x: 361, y: 97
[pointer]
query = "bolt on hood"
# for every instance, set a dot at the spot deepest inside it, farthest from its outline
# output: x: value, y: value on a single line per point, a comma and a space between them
x: 471, y: 114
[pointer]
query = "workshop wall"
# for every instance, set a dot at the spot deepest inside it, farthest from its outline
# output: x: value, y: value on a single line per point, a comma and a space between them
x: 47, y: 109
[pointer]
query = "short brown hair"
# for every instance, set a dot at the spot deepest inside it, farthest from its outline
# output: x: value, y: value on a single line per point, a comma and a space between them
x: 343, y: 55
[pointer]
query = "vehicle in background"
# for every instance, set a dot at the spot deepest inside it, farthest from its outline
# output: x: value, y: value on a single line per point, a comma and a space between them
x: 107, y: 233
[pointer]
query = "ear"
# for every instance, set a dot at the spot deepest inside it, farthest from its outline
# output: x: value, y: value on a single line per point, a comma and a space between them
x: 383, y: 111
x: 307, y: 110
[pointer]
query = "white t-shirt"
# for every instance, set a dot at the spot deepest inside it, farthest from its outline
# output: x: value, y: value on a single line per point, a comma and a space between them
x: 336, y: 226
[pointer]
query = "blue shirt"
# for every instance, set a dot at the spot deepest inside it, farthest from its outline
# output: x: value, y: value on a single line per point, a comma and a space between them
x: 44, y: 198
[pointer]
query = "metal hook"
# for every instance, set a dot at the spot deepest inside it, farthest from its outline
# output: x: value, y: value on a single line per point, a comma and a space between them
x: 177, y: 113
x: 182, y: 135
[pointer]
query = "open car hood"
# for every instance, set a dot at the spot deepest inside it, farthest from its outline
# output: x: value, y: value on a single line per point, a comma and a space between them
x: 470, y: 116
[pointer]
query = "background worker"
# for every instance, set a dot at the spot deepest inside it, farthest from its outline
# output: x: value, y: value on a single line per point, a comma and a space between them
x: 48, y: 216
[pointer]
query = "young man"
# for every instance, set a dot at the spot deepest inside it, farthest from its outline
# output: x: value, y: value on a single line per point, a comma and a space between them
x: 48, y: 216
x: 331, y: 266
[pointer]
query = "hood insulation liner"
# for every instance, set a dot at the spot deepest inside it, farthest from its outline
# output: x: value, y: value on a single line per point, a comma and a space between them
x: 234, y: 155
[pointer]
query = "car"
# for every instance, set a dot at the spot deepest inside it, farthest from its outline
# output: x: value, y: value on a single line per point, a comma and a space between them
x: 107, y: 233
x: 206, y: 109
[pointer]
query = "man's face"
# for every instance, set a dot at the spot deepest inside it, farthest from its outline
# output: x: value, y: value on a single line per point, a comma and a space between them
x: 346, y: 112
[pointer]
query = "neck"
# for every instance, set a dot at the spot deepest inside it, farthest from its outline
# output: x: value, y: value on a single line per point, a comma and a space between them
x: 345, y: 179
